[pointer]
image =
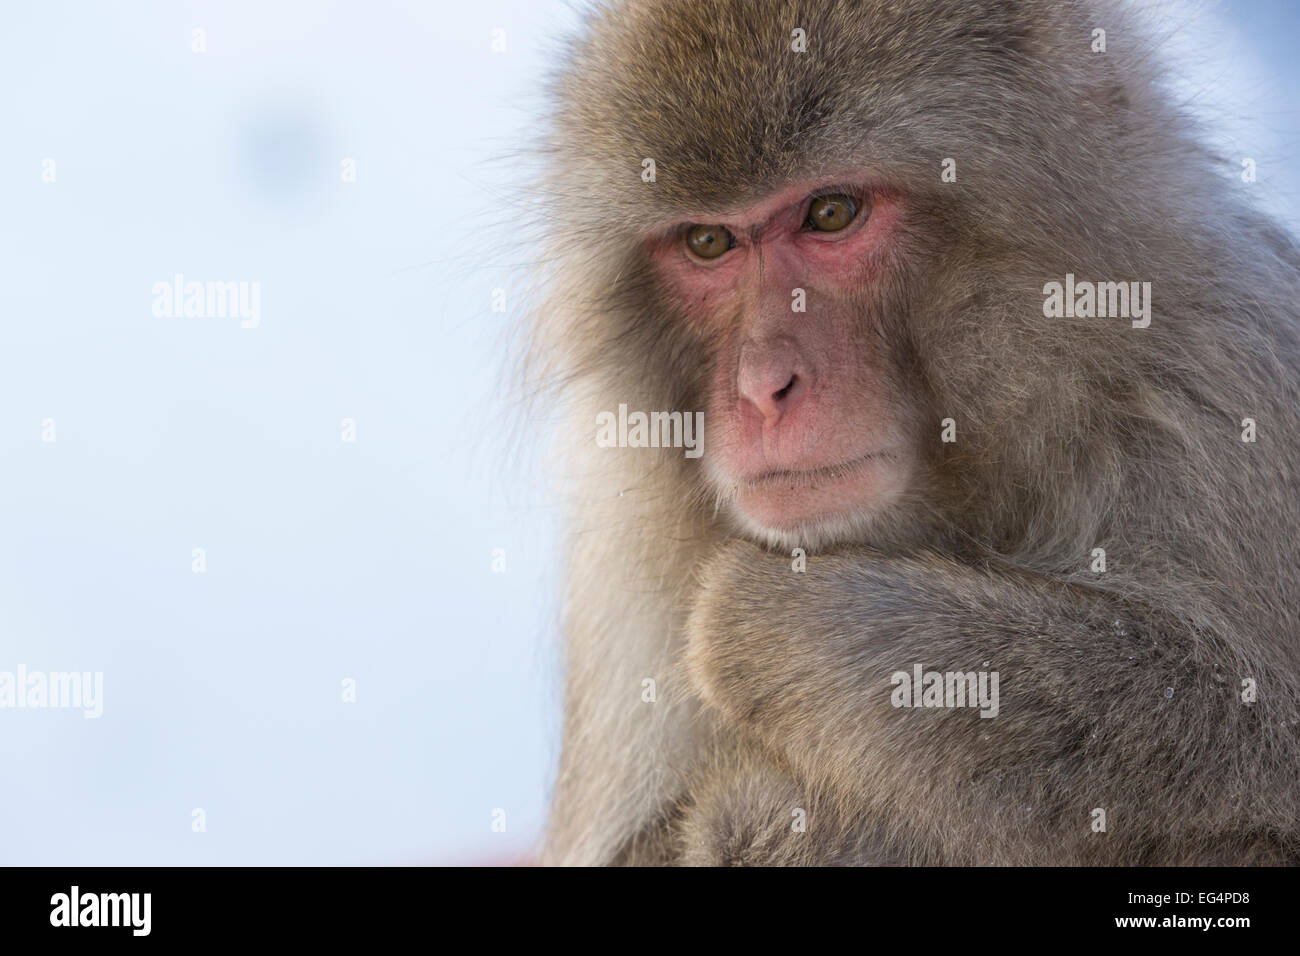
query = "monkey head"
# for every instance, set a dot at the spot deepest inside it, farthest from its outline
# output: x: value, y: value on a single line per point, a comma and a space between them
x: 767, y: 234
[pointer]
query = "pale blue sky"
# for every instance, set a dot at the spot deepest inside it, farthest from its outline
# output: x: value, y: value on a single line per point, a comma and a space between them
x: 326, y: 560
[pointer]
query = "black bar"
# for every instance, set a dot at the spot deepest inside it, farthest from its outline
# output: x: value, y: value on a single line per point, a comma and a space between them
x: 949, y: 907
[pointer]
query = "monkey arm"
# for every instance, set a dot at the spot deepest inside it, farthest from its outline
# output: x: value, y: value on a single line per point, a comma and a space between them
x: 1105, y: 705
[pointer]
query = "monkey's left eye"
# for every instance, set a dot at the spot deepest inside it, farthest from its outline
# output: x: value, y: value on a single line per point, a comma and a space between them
x: 831, y: 213
x: 709, y: 242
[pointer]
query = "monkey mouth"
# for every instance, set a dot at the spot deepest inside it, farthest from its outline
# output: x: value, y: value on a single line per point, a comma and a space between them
x: 811, y: 503
x: 813, y: 477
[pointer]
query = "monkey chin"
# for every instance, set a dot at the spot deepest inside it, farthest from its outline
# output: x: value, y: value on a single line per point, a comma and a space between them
x: 821, y: 507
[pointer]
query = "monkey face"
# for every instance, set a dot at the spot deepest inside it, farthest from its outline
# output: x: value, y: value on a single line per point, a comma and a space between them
x: 808, y: 423
x: 772, y: 237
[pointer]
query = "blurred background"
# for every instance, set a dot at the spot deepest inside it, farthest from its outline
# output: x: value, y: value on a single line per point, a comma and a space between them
x: 348, y: 461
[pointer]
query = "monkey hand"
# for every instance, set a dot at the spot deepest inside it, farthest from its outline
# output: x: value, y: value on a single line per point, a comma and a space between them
x: 736, y: 661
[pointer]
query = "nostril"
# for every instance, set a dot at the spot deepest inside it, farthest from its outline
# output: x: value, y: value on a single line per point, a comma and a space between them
x: 772, y: 378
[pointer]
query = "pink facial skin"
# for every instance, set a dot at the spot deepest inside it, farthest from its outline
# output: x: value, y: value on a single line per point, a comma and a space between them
x: 805, y: 429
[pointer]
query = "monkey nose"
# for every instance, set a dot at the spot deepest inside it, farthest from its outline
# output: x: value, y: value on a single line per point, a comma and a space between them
x: 772, y: 386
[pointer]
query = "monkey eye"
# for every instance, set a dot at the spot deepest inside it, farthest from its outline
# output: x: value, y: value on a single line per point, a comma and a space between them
x: 709, y: 242
x: 831, y: 213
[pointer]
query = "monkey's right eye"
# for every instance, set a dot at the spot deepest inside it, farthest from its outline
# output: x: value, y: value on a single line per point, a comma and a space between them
x: 709, y: 242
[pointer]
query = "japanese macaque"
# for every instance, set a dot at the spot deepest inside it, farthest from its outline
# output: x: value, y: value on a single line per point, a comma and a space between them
x: 843, y: 230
